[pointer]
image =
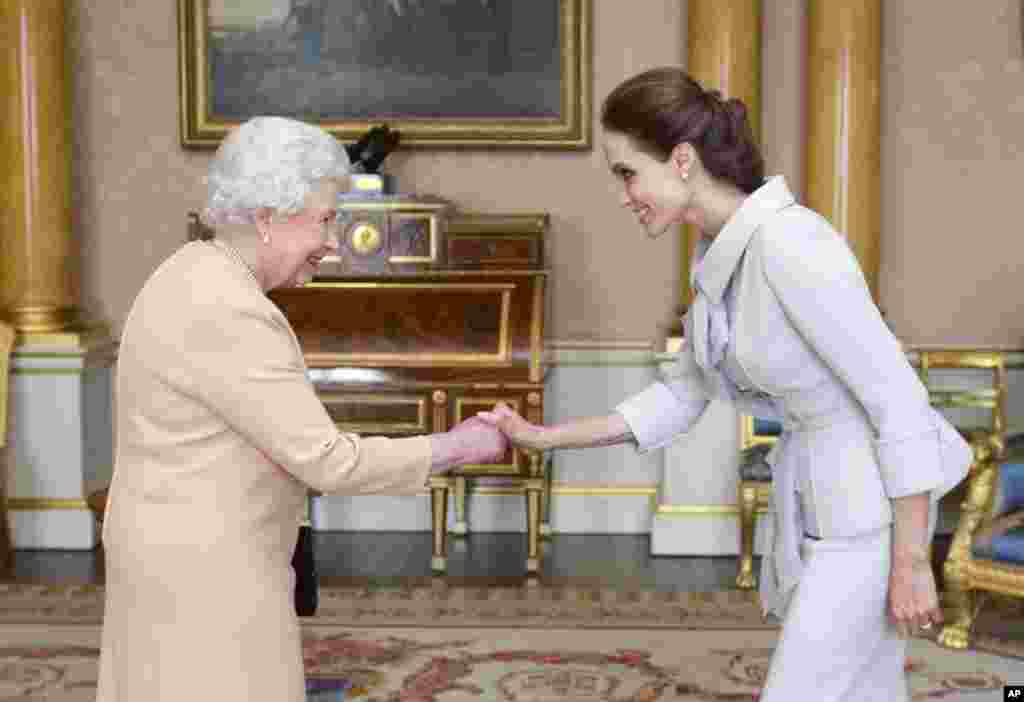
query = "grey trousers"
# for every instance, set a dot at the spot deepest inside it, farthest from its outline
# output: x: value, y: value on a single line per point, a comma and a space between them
x: 837, y: 644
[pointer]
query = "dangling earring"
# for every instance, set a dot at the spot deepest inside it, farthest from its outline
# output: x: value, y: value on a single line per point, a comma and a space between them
x: 266, y: 238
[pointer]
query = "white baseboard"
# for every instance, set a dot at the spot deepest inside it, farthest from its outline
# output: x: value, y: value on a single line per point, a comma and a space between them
x: 578, y: 509
x: 72, y: 529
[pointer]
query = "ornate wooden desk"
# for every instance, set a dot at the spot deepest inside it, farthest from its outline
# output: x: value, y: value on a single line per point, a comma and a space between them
x: 425, y: 317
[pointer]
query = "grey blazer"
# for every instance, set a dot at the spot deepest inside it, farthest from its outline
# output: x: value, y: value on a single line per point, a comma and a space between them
x: 783, y: 323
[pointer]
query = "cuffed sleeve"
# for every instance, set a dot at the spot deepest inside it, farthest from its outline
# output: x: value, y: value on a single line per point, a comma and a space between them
x: 663, y: 410
x: 244, y: 366
x: 816, y: 279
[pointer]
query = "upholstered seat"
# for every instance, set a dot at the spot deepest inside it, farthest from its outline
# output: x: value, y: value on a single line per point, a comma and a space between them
x: 1002, y: 539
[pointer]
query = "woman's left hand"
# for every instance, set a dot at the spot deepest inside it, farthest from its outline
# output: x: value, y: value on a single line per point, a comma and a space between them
x: 913, y: 598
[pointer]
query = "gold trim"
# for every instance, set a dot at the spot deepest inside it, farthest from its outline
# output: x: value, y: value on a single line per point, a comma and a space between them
x: 48, y: 371
x: 747, y: 436
x: 703, y: 510
x: 569, y: 130
x: 537, y: 331
x: 420, y: 403
x: 432, y: 229
x: 460, y: 401
x: 502, y: 356
x: 996, y: 577
x: 598, y: 345
x: 38, y: 504
x: 488, y: 468
x: 86, y: 336
x: 403, y: 205
x: 567, y: 490
x: 472, y: 224
x: 365, y: 238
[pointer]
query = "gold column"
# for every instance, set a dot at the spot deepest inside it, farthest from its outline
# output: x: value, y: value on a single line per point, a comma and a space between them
x: 37, y: 257
x: 724, y: 54
x: 842, y: 157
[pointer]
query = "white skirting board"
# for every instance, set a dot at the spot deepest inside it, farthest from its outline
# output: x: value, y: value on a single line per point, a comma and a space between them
x: 59, y: 529
x: 572, y: 513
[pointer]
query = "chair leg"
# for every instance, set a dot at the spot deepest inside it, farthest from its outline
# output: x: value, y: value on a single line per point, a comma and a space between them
x: 958, y: 587
x: 957, y: 633
x: 545, y: 519
x: 534, y: 488
x: 439, y: 509
x: 461, y: 526
x: 748, y: 509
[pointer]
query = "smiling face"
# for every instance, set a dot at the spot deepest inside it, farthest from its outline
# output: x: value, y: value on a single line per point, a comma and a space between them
x: 294, y: 246
x: 655, y: 191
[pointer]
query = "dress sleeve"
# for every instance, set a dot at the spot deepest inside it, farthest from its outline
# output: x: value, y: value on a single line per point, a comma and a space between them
x: 243, y: 365
x: 816, y: 278
x: 665, y: 409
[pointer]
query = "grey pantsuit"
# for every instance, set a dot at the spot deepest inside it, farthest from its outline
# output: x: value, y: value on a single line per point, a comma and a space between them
x: 783, y: 324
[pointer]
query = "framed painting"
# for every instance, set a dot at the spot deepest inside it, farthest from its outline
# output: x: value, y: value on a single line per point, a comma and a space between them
x: 445, y: 73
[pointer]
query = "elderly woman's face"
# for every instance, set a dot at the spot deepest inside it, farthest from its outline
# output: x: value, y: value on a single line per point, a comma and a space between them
x: 299, y: 243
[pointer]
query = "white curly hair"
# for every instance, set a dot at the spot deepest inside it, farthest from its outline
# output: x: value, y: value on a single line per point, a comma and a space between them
x: 271, y: 162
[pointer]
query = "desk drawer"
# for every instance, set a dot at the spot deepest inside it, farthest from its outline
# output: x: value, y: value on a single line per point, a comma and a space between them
x: 381, y: 414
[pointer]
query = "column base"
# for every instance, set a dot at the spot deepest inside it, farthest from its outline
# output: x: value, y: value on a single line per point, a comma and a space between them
x: 60, y: 442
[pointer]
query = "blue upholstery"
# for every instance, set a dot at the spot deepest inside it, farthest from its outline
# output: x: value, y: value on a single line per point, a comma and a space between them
x: 1003, y: 539
x: 753, y: 465
x: 767, y: 427
x: 1003, y: 545
x: 1009, y: 496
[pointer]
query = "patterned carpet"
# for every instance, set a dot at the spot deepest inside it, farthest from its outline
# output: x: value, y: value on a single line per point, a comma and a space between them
x: 541, y: 644
x: 59, y: 664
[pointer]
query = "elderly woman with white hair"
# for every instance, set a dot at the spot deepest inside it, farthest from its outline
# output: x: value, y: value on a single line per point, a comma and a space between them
x: 220, y: 434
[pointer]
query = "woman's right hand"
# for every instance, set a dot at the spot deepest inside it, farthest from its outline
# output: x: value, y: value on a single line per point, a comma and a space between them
x: 520, y: 432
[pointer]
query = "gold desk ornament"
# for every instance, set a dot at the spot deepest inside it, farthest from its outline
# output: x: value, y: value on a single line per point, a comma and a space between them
x: 365, y: 238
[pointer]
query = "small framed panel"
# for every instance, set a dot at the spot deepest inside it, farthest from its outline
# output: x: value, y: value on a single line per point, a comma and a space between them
x: 513, y: 461
x: 377, y: 414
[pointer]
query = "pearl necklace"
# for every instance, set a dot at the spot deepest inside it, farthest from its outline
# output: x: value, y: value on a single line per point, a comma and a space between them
x: 233, y: 253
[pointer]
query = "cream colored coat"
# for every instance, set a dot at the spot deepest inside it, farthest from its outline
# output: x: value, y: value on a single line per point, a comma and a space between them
x: 219, y: 435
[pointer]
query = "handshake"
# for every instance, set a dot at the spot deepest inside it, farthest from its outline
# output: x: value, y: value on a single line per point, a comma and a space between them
x: 483, y: 439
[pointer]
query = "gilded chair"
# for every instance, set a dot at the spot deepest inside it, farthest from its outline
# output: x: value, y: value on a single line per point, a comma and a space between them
x: 757, y: 436
x: 6, y: 345
x: 987, y: 554
x: 978, y: 411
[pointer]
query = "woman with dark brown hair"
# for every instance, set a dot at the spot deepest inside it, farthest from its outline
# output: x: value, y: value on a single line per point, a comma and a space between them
x: 783, y: 325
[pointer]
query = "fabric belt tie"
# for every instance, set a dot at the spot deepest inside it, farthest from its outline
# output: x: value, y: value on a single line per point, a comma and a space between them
x: 782, y: 571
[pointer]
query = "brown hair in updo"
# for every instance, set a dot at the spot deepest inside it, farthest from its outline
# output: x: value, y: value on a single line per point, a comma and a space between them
x: 664, y: 107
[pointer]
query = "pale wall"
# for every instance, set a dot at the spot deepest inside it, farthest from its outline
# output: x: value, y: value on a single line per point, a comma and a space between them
x: 953, y: 94
x: 952, y: 145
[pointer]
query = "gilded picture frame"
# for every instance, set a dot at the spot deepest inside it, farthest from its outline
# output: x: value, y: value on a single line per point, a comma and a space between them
x: 472, y: 73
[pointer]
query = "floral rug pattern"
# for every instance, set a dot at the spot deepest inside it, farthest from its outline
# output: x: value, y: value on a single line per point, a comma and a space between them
x: 511, y: 665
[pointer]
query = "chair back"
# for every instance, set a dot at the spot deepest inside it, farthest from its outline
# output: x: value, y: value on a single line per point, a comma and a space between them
x: 755, y: 431
x: 988, y: 441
